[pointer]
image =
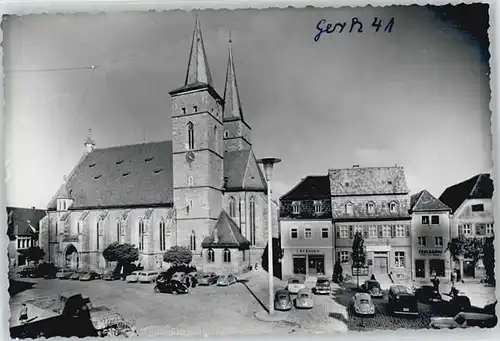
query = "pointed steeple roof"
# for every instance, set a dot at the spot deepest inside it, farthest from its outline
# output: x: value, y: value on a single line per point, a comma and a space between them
x: 232, y: 107
x: 198, y: 70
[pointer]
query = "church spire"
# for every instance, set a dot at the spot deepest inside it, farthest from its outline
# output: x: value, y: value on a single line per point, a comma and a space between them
x: 232, y: 107
x: 198, y: 70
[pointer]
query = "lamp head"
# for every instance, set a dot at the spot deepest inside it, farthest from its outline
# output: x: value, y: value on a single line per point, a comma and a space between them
x: 268, y: 164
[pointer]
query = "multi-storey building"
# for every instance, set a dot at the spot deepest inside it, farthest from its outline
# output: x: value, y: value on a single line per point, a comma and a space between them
x: 22, y: 230
x: 306, y: 228
x: 472, y: 215
x: 374, y: 201
x: 203, y: 189
x: 430, y: 235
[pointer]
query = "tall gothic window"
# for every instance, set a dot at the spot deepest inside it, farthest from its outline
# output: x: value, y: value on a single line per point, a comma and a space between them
x: 118, y: 225
x: 78, y: 226
x: 252, y: 220
x: 215, y: 138
x: 232, y: 207
x: 190, y: 129
x: 162, y: 236
x: 227, y: 256
x: 192, y: 241
x: 210, y: 256
x: 98, y: 234
x: 141, y: 235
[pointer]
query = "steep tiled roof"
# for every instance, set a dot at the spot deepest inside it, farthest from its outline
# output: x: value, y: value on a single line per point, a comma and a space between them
x: 423, y: 201
x: 311, y: 187
x: 477, y: 187
x: 139, y: 174
x: 242, y: 171
x: 368, y: 180
x: 20, y: 219
x: 228, y: 235
x: 142, y: 175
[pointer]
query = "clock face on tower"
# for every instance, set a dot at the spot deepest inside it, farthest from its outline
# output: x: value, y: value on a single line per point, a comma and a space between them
x: 190, y: 157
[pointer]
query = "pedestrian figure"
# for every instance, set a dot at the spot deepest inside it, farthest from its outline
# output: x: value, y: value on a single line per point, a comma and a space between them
x: 187, y: 281
x: 435, y: 282
x: 373, y: 277
x: 23, y: 314
x: 194, y: 282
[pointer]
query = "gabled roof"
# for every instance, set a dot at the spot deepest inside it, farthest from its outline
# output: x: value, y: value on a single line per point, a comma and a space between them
x: 477, y: 187
x: 311, y: 187
x: 22, y: 221
x: 368, y: 181
x: 423, y: 201
x: 228, y: 235
x: 128, y: 176
x: 232, y: 106
x: 243, y: 172
x: 122, y: 176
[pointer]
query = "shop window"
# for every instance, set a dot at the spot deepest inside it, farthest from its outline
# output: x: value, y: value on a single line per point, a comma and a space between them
x: 436, y: 266
x: 420, y: 268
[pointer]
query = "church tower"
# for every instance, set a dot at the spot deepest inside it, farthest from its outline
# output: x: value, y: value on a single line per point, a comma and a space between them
x: 197, y: 150
x: 236, y: 130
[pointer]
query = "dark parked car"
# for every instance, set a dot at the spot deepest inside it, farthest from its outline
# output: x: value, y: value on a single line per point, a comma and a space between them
x: 27, y: 272
x: 207, y: 278
x: 89, y: 276
x: 427, y: 293
x: 402, y: 300
x: 47, y: 270
x: 282, y: 300
x: 458, y: 304
x: 171, y: 287
x: 111, y: 276
x: 373, y: 288
x: 323, y: 286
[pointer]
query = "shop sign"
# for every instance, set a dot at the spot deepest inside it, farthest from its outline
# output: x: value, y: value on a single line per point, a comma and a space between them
x: 307, y: 251
x: 427, y: 252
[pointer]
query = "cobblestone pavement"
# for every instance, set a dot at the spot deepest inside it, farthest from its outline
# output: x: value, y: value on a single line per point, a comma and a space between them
x: 205, y: 311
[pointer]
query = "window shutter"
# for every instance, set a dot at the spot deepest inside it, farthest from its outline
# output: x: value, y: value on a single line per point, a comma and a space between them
x: 460, y: 230
x: 351, y: 235
x: 365, y: 231
x: 407, y: 230
x: 337, y: 231
x: 393, y: 231
x: 338, y: 255
x: 379, y: 228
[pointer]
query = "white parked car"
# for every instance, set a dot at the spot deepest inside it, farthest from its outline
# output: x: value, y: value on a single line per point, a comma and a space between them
x: 296, y: 283
x: 464, y: 320
x: 304, y: 299
x: 133, y: 277
x: 363, y: 304
x: 148, y: 276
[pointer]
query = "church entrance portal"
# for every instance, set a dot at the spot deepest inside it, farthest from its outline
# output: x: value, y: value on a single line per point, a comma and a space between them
x: 72, y: 258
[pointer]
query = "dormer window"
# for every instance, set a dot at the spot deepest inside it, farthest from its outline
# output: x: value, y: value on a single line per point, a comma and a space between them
x: 190, y: 181
x: 317, y: 207
x: 149, y: 158
x: 389, y: 182
x: 296, y: 207
x: 347, y: 184
x: 119, y: 162
x: 183, y: 110
x: 370, y: 207
x: 349, y: 209
x: 226, y: 133
x: 195, y: 108
x: 393, y: 207
x: 92, y: 165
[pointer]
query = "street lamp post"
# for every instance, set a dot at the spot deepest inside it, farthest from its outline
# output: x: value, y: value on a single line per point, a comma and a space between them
x: 268, y: 164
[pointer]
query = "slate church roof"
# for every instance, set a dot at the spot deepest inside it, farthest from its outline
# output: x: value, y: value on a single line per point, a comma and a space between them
x: 477, y: 187
x: 310, y: 188
x: 22, y: 221
x: 423, y: 201
x: 367, y: 181
x: 226, y: 234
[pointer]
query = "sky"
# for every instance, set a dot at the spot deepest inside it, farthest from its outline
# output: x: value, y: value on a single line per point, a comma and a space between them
x: 417, y: 96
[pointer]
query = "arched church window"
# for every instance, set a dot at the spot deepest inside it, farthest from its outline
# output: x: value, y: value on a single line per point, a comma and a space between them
x: 227, y: 256
x: 99, y: 231
x: 252, y: 220
x: 232, y: 207
x: 192, y: 241
x: 210, y: 256
x: 226, y: 134
x: 190, y: 128
x: 163, y: 235
x: 118, y: 230
x: 141, y: 235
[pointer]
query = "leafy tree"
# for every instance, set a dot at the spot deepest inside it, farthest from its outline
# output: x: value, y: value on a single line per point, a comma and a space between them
x: 457, y: 247
x: 470, y: 248
x: 489, y: 259
x: 34, y: 254
x: 178, y: 255
x: 358, y: 254
x: 123, y: 254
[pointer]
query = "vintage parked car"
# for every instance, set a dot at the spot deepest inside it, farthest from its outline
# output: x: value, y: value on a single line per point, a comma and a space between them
x: 75, y: 276
x: 207, y: 278
x: 64, y: 273
x: 133, y: 277
x: 171, y: 287
x: 373, y: 288
x: 89, y: 276
x: 402, y: 300
x: 323, y: 286
x: 464, y: 320
x: 148, y: 276
x: 427, y: 293
x: 363, y: 304
x: 27, y: 272
x: 47, y: 270
x: 179, y: 276
x: 225, y: 280
x: 111, y: 276
x: 304, y: 299
x: 296, y: 283
x: 282, y: 300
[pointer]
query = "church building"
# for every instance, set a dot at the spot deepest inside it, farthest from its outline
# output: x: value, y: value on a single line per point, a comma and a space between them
x: 203, y: 189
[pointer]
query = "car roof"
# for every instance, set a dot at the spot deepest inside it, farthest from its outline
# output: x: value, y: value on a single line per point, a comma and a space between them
x: 473, y: 316
x: 400, y: 289
x: 282, y: 291
x: 362, y: 295
x: 304, y: 291
x: 322, y: 279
